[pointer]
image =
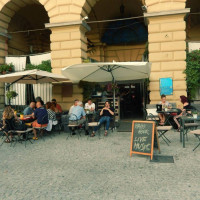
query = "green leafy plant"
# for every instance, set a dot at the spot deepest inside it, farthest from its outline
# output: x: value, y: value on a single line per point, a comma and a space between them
x: 6, y: 68
x: 194, y: 112
x: 44, y: 66
x: 193, y: 72
x: 11, y: 94
x: 88, y: 88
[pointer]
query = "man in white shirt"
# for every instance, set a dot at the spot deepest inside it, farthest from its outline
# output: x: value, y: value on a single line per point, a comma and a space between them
x: 89, y: 105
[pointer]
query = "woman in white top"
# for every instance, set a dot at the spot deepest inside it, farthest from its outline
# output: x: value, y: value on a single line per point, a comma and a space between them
x: 89, y: 105
x: 164, y: 104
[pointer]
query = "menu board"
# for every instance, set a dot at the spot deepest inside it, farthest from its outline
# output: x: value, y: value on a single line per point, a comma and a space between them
x: 142, y: 140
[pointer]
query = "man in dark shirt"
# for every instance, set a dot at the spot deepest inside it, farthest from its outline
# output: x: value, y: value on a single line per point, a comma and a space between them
x: 39, y: 99
x: 41, y: 116
x: 106, y: 113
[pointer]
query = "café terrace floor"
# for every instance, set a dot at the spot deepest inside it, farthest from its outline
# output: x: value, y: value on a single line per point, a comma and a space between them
x: 96, y: 168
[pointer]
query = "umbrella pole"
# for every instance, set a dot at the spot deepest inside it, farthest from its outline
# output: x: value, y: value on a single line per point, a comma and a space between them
x: 114, y: 95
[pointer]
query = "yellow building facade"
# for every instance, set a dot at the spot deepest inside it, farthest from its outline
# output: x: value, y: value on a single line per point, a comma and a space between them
x: 67, y: 35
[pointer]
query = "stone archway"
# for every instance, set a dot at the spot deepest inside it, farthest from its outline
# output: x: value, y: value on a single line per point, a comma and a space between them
x: 166, y: 37
x: 119, y: 40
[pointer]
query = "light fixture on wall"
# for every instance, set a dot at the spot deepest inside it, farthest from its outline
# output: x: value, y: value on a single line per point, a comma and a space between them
x: 85, y: 18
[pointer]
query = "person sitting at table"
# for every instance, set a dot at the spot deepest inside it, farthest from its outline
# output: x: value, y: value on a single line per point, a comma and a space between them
x: 41, y: 121
x: 75, y: 101
x: 39, y: 99
x: 51, y: 116
x: 28, y: 111
x: 57, y: 106
x: 8, y: 117
x: 78, y: 116
x: 164, y: 104
x: 106, y: 113
x: 186, y: 106
x: 90, y: 105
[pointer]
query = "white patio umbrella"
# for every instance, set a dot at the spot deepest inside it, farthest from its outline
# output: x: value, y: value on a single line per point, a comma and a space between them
x: 107, y: 72
x: 32, y: 77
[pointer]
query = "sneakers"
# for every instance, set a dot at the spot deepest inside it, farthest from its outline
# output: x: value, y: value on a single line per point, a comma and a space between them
x: 35, y: 138
x: 93, y: 134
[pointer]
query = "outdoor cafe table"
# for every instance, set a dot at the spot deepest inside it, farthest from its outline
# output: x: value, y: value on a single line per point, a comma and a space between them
x: 168, y: 113
x: 183, y: 120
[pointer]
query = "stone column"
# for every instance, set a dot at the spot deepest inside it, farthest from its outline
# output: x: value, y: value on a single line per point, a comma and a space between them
x: 68, y: 47
x: 3, y: 53
x: 167, y: 52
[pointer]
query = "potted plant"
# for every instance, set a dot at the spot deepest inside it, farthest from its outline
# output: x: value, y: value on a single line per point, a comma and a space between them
x: 3, y: 69
x: 11, y: 95
x: 195, y: 114
x: 10, y: 68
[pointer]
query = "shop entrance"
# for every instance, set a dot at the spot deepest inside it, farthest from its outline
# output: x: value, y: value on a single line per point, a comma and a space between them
x: 133, y: 97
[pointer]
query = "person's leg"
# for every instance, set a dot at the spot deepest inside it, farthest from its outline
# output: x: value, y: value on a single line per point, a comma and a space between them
x: 160, y: 115
x: 35, y: 133
x: 84, y: 121
x: 34, y: 124
x: 101, y: 121
x: 176, y: 121
x: 163, y: 118
x: 107, y: 122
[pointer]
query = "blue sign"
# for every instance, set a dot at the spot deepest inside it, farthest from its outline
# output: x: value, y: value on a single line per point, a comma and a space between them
x: 166, y: 86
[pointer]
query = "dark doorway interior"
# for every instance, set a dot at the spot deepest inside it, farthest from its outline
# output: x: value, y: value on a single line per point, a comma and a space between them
x: 132, y: 99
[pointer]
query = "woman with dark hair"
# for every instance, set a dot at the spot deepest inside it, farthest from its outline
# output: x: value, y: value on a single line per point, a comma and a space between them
x: 51, y: 111
x: 186, y: 106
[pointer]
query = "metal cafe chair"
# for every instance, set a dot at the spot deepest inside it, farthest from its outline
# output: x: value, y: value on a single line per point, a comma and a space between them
x: 92, y: 125
x: 74, y: 126
x: 187, y: 123
x: 17, y: 135
x: 162, y: 130
x: 197, y: 134
x: 42, y: 128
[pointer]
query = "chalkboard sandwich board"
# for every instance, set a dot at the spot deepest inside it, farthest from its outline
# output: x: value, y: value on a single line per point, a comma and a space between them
x: 142, y: 139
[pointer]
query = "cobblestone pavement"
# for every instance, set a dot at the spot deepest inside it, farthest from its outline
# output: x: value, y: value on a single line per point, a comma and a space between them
x: 93, y: 168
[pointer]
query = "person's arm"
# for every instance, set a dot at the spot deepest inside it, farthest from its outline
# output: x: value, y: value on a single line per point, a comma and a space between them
x: 70, y: 110
x: 83, y: 113
x: 16, y: 118
x: 92, y: 107
x: 110, y: 111
x: 34, y: 114
x: 101, y: 113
